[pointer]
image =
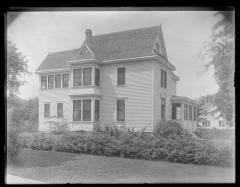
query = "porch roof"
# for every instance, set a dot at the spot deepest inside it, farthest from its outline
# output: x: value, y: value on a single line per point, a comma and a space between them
x: 182, y: 99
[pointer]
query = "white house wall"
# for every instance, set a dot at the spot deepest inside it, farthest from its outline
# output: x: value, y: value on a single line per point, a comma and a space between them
x: 137, y: 92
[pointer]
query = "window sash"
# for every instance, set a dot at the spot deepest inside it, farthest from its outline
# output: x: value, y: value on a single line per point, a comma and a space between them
x: 58, y: 81
x: 43, y: 82
x: 121, y: 110
x: 50, y: 81
x: 77, y: 110
x: 65, y: 80
x: 59, y: 109
x: 77, y: 77
x: 97, y: 77
x: 87, y: 110
x: 46, y: 110
x: 87, y: 76
x: 121, y: 76
x: 97, y: 107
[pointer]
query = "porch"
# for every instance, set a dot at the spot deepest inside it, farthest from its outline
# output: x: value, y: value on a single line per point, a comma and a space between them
x: 184, y: 110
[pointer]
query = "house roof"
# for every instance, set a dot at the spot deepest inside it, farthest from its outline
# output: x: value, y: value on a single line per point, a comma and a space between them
x: 111, y: 46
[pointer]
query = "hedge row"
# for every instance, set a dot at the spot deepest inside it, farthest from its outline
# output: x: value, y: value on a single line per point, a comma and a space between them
x: 169, y: 142
x: 221, y: 134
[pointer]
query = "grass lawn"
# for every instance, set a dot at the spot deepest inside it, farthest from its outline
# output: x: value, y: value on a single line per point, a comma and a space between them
x: 57, y: 167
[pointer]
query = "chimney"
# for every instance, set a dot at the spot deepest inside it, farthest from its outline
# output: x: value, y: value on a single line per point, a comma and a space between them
x: 88, y: 33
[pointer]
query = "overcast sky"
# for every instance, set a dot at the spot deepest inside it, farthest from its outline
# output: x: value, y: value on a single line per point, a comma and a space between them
x: 38, y: 33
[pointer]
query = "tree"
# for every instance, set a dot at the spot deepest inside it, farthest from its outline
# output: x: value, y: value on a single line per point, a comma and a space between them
x: 221, y: 51
x: 16, y: 68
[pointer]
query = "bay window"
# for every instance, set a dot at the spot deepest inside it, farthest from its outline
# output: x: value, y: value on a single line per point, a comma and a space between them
x: 97, y: 77
x: 96, y: 110
x: 87, y: 110
x: 77, y: 110
x: 77, y: 77
x: 87, y: 76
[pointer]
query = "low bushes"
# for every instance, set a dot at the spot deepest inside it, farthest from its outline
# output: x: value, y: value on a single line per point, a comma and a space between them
x: 168, y: 142
x: 220, y: 134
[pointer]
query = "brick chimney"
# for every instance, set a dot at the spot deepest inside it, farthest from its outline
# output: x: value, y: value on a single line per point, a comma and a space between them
x: 88, y: 33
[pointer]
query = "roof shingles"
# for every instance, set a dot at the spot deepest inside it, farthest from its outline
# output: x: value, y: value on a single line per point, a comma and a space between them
x: 119, y: 45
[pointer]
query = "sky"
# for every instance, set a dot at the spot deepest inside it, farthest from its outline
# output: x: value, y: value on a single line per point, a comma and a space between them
x: 185, y: 32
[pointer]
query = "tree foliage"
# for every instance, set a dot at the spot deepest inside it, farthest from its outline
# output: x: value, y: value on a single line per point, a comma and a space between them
x: 16, y: 68
x: 221, y: 51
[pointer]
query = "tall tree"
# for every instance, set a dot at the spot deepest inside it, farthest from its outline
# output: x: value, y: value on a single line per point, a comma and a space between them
x: 16, y: 68
x: 221, y: 51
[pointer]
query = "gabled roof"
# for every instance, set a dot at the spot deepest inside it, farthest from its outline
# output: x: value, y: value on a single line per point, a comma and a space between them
x: 118, y: 45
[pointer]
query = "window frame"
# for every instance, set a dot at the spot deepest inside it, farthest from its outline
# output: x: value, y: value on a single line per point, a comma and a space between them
x: 53, y: 86
x: 80, y: 110
x: 98, y: 119
x: 55, y: 80
x: 44, y: 110
x: 96, y: 77
x: 46, y: 83
x: 83, y: 79
x: 84, y: 100
x: 63, y: 80
x: 163, y: 79
x: 62, y: 110
x: 121, y: 85
x: 121, y: 99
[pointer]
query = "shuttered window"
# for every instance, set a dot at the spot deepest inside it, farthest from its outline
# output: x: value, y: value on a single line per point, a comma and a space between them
x: 121, y: 76
x: 120, y: 110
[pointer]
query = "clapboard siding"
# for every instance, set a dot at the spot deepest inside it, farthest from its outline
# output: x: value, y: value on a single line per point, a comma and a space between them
x: 137, y: 92
x: 161, y: 92
x: 53, y: 97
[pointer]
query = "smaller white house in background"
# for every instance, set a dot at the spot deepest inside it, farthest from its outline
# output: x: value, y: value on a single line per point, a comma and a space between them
x: 212, y: 119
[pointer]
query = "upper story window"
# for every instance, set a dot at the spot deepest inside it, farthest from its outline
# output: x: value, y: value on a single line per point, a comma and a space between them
x: 43, y: 82
x: 77, y: 77
x: 97, y: 77
x: 58, y: 81
x: 121, y: 76
x: 65, y: 80
x: 50, y: 81
x: 87, y: 76
x: 163, y: 79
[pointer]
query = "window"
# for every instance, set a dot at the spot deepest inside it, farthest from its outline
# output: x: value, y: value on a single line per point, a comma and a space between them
x: 43, y: 82
x: 46, y: 110
x: 163, y: 79
x: 97, y: 77
x: 163, y: 107
x: 121, y: 110
x: 190, y: 112
x: 86, y: 110
x: 87, y: 76
x: 121, y: 76
x: 195, y: 114
x: 50, y: 81
x: 185, y: 112
x: 77, y: 77
x: 65, y: 78
x: 58, y: 81
x: 60, y: 110
x: 96, y: 110
x: 221, y: 124
x: 77, y: 110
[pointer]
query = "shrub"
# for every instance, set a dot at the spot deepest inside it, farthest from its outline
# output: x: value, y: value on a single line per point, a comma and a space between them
x: 172, y: 144
x: 223, y: 134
